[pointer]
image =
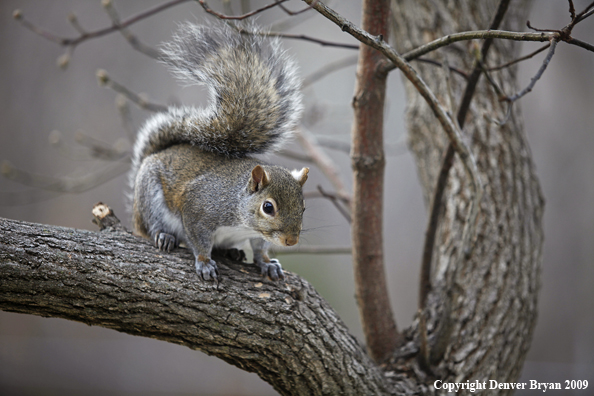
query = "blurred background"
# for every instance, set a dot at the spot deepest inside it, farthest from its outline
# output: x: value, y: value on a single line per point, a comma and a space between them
x: 45, y: 356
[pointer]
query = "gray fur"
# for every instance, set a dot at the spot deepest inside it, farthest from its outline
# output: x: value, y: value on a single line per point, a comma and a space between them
x: 254, y: 92
x: 193, y: 176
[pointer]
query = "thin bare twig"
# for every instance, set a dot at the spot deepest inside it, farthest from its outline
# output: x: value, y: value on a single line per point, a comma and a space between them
x: 100, y: 149
x: 512, y: 99
x: 66, y: 184
x: 131, y: 38
x: 304, y: 37
x: 93, y: 149
x: 571, y: 10
x: 335, y: 201
x: 352, y: 60
x: 500, y: 94
x: 75, y: 24
x: 438, y: 64
x: 538, y: 75
x: 523, y: 58
x: 73, y: 42
x: 390, y: 149
x: 581, y: 43
x: 295, y: 155
x: 291, y: 21
x: 585, y: 15
x: 317, y: 194
x: 529, y: 25
x: 334, y: 144
x: 104, y: 80
x: 292, y: 13
x: 505, y: 118
x: 323, y: 161
x: 329, y: 69
x: 18, y: 15
x: 209, y: 10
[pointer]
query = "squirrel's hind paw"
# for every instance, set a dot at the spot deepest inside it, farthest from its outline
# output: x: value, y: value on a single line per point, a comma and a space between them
x: 165, y: 242
x: 273, y: 269
x: 207, y: 269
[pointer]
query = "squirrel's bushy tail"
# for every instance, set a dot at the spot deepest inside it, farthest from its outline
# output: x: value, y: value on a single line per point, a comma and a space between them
x: 254, y: 89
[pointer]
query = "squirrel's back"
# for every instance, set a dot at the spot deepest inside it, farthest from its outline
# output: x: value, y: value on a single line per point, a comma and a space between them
x: 254, y: 94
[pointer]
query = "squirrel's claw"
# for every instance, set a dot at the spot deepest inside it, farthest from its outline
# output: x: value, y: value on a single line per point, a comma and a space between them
x: 207, y: 270
x: 273, y: 269
x: 165, y: 242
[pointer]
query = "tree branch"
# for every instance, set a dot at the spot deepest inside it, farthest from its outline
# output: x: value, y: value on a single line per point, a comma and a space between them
x: 66, y: 184
x: 538, y: 75
x: 335, y: 201
x: 322, y: 161
x: 238, y: 17
x: 323, y: 43
x: 523, y: 58
x: 73, y: 42
x: 105, y: 80
x: 132, y: 39
x: 446, y: 122
x: 368, y: 163
x: 285, y: 332
x: 478, y: 34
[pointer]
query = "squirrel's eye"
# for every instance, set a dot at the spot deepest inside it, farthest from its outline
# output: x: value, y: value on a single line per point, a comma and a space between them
x: 268, y: 208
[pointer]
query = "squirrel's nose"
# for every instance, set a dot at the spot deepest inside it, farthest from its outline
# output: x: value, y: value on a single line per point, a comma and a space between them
x: 291, y: 240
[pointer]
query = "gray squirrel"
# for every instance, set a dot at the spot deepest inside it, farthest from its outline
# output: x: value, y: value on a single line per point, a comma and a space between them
x: 194, y: 177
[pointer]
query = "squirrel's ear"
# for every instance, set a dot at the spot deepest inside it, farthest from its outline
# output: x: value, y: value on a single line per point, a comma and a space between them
x: 259, y: 179
x: 300, y: 175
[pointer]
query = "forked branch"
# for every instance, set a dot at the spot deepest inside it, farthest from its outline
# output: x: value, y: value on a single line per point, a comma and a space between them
x: 84, y: 35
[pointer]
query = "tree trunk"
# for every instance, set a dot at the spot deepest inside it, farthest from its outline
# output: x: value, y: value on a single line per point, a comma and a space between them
x: 481, y: 311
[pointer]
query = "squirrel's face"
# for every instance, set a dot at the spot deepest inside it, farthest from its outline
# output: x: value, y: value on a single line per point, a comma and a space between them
x: 278, y: 203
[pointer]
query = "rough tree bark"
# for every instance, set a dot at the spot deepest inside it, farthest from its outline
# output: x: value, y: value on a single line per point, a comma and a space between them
x: 285, y: 332
x: 479, y: 315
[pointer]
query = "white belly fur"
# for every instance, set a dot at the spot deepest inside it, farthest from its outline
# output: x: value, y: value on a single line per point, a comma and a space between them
x: 233, y: 237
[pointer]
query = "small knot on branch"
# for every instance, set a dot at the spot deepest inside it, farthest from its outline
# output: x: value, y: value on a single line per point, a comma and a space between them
x: 104, y: 217
x: 63, y: 61
x: 102, y: 77
x: 17, y: 14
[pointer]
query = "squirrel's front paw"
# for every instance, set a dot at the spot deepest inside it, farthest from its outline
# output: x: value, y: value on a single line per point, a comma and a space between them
x: 165, y: 241
x: 207, y: 269
x: 272, y: 269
